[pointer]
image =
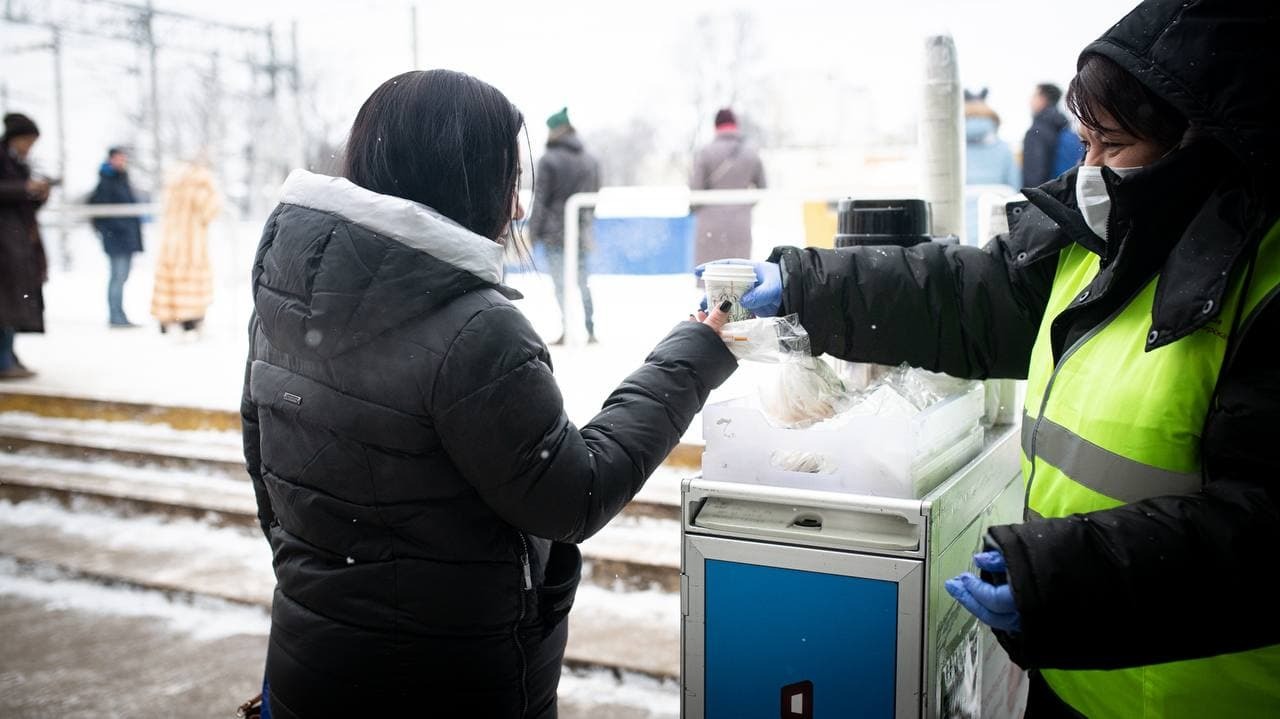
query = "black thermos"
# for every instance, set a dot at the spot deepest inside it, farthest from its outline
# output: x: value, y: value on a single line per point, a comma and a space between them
x: 882, y: 222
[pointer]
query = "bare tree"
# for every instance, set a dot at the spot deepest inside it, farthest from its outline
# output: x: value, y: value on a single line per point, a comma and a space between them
x: 196, y: 119
x: 328, y: 123
x: 624, y: 152
x: 724, y: 55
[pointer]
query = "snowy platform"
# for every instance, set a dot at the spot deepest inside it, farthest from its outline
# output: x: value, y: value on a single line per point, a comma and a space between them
x: 65, y: 631
x: 124, y: 450
x: 80, y: 356
x: 634, y: 631
x: 639, y: 551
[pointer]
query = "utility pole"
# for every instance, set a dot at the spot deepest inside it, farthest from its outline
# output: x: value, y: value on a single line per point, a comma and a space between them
x: 413, y: 29
x: 213, y: 133
x: 295, y: 82
x: 64, y: 241
x: 55, y: 47
x: 249, y: 156
x: 149, y: 37
x: 273, y: 64
x: 150, y: 28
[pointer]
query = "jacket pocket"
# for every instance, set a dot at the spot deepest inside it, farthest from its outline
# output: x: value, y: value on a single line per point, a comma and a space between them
x: 555, y: 596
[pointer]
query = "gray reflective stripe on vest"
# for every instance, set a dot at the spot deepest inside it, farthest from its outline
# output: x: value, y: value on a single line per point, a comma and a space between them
x: 1028, y: 431
x: 1100, y: 469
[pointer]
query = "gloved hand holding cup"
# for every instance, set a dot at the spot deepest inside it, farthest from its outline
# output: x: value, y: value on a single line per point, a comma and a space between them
x: 752, y: 287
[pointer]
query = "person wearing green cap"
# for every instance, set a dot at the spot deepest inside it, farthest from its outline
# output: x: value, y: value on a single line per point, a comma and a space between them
x: 565, y: 169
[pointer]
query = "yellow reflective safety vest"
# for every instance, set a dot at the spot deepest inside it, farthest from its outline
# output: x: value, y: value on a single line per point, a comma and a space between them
x: 1111, y: 424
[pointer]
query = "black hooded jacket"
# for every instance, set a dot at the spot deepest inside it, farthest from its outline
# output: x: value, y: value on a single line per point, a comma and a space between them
x: 1174, y: 577
x: 565, y: 169
x: 418, y: 480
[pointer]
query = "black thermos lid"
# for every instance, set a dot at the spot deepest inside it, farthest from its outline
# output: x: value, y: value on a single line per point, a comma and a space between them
x: 882, y: 222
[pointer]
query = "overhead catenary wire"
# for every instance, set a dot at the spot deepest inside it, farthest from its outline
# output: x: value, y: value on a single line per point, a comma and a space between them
x: 155, y: 32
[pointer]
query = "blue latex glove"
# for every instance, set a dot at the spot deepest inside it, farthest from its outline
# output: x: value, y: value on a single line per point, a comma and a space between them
x: 992, y: 604
x: 765, y: 298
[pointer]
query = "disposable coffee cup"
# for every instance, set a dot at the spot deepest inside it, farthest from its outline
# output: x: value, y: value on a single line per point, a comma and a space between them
x: 729, y: 282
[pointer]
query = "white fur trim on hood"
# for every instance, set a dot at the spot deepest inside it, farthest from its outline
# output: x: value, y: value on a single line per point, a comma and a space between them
x: 404, y: 221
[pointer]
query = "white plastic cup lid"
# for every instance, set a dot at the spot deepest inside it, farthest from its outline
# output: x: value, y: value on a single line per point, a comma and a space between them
x: 729, y: 273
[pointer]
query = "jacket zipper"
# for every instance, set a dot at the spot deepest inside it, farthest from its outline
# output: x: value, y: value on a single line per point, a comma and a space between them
x: 527, y: 572
x: 1048, y: 388
x: 526, y: 576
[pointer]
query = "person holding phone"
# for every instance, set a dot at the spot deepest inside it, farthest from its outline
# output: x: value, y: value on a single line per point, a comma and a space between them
x: 23, y: 266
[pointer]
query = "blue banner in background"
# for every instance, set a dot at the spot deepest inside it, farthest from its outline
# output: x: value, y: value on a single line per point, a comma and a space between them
x: 634, y: 246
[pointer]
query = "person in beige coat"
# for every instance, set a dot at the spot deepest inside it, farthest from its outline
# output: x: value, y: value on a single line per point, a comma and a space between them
x: 184, y: 277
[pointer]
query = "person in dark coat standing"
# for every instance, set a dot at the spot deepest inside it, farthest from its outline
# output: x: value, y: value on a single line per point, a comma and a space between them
x: 23, y: 267
x: 121, y: 236
x: 1139, y: 295
x: 565, y: 169
x: 1040, y: 144
x: 729, y: 162
x: 417, y: 478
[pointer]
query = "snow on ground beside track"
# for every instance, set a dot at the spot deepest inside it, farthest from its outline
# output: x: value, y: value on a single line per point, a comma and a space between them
x: 207, y: 619
x: 207, y: 479
x: 656, y: 541
x: 598, y: 688
x: 647, y: 607
x: 146, y: 532
x: 246, y: 546
x: 121, y: 428
x: 201, y: 617
x: 666, y: 480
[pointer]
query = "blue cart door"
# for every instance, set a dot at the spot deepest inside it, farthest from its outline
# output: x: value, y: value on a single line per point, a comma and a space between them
x: 797, y: 644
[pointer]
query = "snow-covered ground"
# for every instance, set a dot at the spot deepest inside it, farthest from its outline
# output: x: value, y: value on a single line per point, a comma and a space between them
x: 194, y: 480
x: 202, y: 618
x: 206, y: 619
x: 194, y: 627
x: 596, y: 693
x: 121, y: 430
x: 67, y: 603
x: 79, y: 355
x: 241, y: 546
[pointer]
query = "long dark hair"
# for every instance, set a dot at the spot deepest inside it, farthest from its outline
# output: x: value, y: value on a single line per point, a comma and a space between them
x: 1102, y: 85
x: 443, y: 139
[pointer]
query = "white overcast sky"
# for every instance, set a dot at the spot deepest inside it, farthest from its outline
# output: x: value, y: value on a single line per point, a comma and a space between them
x: 608, y: 61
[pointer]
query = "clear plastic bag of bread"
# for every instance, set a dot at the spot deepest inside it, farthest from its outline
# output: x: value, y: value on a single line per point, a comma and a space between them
x: 805, y: 390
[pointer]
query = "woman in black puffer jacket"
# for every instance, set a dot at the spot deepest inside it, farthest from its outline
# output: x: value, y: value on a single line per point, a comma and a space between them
x: 419, y: 482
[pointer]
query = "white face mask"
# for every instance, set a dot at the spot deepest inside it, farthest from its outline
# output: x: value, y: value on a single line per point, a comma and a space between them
x: 1092, y: 197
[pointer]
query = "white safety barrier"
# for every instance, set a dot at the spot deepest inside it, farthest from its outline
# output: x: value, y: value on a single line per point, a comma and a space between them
x: 72, y: 213
x: 574, y: 328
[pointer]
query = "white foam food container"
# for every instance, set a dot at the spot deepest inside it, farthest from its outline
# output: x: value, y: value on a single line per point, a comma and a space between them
x: 882, y: 456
